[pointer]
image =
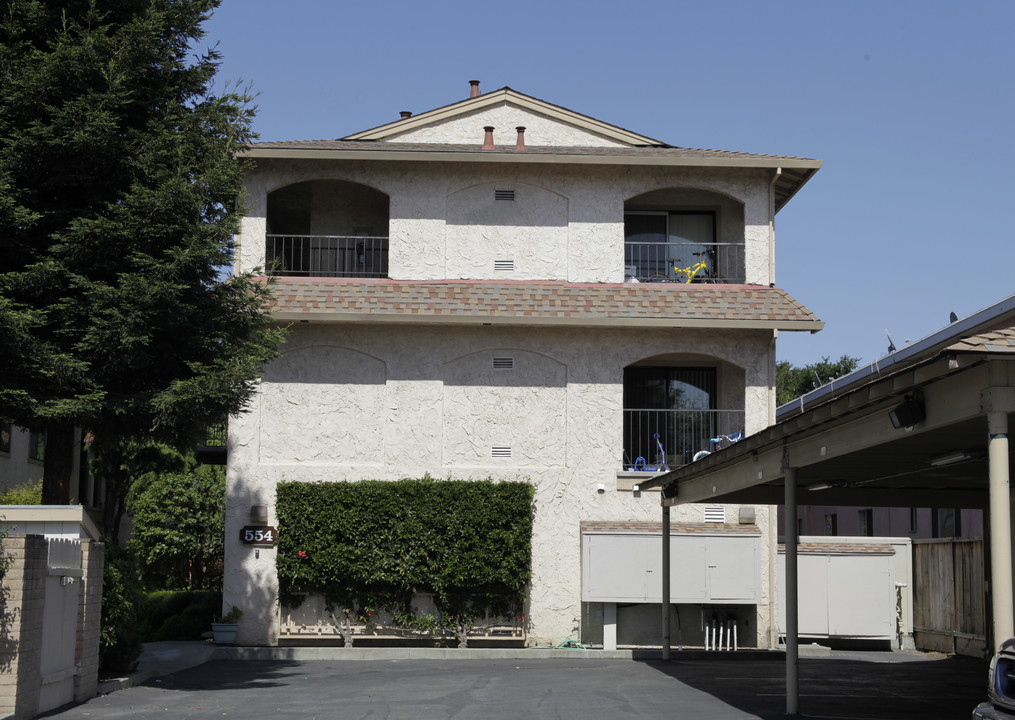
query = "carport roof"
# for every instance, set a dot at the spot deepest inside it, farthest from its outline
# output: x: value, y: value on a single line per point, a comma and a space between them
x: 842, y: 443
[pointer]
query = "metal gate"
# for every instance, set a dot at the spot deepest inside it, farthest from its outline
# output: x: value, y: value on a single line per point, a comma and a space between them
x: 59, y: 628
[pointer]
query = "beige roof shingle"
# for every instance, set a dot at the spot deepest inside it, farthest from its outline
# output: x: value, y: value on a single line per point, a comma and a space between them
x: 998, y: 341
x: 540, y: 303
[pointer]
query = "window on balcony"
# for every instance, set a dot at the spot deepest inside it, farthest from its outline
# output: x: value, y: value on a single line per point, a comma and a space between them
x: 677, y: 408
x: 327, y: 228
x: 657, y: 245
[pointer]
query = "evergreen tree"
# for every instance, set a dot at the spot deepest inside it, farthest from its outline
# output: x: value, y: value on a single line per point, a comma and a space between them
x: 119, y: 178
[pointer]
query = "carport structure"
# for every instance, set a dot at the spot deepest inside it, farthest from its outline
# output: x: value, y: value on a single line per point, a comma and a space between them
x: 926, y: 426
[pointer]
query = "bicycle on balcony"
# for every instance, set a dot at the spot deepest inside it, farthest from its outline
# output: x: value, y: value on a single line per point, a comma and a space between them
x: 699, y: 268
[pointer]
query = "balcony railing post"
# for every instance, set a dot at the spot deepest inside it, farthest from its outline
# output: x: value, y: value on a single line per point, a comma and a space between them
x: 658, y: 262
x: 681, y: 432
x: 327, y: 255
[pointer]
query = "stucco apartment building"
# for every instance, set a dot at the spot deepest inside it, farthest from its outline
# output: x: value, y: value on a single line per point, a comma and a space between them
x: 492, y: 289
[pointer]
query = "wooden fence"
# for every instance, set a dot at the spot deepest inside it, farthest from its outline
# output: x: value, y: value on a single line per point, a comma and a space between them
x: 949, y: 606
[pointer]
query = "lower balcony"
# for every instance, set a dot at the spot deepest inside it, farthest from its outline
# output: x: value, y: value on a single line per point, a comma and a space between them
x: 327, y: 255
x: 668, y: 439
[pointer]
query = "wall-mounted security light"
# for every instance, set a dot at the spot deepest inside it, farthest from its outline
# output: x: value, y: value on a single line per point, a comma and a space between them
x: 258, y: 514
x: 908, y: 413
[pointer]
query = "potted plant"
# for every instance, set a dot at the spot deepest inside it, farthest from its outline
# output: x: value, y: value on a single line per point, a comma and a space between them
x: 223, y: 628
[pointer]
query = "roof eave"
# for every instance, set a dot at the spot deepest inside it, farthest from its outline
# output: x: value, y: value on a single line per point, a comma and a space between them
x: 494, y: 156
x: 327, y: 316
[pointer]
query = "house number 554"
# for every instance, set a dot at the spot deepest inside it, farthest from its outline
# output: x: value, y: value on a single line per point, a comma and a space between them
x: 262, y: 535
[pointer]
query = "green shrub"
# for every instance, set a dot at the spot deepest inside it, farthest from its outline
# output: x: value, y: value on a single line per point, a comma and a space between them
x: 374, y: 543
x: 178, y: 528
x: 178, y: 614
x: 28, y: 494
x: 122, y: 600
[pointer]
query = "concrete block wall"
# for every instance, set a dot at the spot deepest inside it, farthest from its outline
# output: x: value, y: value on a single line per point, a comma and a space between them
x: 22, y: 606
x: 21, y: 610
x: 89, y: 625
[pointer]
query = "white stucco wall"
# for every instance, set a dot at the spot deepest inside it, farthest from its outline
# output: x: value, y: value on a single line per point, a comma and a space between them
x: 467, y: 129
x: 346, y: 403
x: 16, y: 468
x: 567, y: 222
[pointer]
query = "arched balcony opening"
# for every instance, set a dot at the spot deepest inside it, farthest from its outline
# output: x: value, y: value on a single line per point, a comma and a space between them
x: 678, y: 406
x: 684, y: 235
x: 327, y: 228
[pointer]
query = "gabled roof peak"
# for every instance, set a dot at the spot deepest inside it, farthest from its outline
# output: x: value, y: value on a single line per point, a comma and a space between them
x: 478, y: 101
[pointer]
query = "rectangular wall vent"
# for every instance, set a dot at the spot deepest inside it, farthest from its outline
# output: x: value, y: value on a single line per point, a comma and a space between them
x: 503, y: 194
x: 503, y: 363
x: 715, y: 515
x: 500, y: 451
x: 504, y: 265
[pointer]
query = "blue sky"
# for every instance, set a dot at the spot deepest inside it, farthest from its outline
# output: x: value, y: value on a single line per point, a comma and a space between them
x: 910, y: 105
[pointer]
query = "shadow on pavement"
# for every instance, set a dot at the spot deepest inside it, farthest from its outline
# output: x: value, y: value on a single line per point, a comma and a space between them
x: 230, y: 675
x: 899, y: 689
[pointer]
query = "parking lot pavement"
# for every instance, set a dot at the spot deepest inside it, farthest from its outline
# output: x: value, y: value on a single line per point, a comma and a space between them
x: 875, y: 686
x: 726, y: 688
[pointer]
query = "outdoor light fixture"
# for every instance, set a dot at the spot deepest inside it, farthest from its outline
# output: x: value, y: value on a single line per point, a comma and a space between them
x: 814, y: 487
x: 908, y: 413
x: 259, y: 514
x: 956, y: 456
x: 669, y: 491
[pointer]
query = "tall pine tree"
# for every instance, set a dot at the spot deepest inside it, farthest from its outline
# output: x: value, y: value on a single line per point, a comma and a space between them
x: 119, y: 179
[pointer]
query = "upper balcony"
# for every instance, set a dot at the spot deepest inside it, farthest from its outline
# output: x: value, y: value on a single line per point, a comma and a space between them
x: 684, y: 236
x: 327, y: 228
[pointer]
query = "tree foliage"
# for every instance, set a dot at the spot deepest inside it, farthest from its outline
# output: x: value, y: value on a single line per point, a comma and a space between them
x: 178, y: 528
x: 375, y: 543
x: 119, y: 178
x: 791, y: 382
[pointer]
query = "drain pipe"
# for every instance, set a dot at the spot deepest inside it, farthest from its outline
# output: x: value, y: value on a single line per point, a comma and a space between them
x: 771, y: 226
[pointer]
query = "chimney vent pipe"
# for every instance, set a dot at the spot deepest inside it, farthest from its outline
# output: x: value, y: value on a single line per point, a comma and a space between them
x: 520, y: 144
x: 488, y: 138
x: 474, y: 90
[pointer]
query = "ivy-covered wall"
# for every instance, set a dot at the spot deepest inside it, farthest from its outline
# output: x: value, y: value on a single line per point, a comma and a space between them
x: 375, y: 543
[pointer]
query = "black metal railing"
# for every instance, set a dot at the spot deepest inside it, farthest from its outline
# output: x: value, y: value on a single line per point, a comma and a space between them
x: 327, y: 255
x: 682, y: 434
x: 676, y: 262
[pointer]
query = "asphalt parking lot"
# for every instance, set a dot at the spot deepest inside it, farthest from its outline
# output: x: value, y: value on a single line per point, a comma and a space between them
x: 882, y: 686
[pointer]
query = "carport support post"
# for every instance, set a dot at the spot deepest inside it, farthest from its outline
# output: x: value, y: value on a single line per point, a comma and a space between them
x: 666, y: 582
x: 1000, y: 527
x: 792, y: 597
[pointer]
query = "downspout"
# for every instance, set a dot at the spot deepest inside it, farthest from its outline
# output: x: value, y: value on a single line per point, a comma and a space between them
x: 773, y: 510
x: 771, y: 226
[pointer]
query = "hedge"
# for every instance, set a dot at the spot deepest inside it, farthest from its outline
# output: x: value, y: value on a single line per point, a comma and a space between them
x: 375, y: 543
